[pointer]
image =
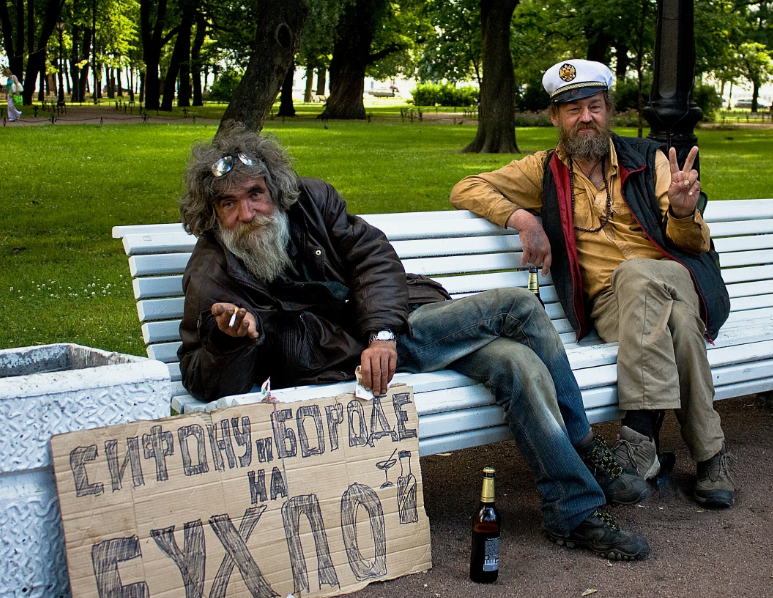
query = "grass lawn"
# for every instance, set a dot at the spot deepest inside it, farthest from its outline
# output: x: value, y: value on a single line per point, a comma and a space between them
x: 63, y: 278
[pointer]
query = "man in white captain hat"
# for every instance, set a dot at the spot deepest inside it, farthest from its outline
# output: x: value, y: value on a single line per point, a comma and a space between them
x: 629, y: 254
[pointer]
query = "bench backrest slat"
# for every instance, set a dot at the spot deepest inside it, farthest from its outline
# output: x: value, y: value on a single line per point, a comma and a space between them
x: 734, y: 229
x: 747, y: 243
x: 158, y: 286
x: 746, y: 258
x: 738, y: 209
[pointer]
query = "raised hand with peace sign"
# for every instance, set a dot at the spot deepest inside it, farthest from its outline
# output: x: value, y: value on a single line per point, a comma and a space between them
x: 684, y: 191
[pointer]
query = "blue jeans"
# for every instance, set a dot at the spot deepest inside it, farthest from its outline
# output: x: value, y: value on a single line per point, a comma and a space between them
x: 504, y: 339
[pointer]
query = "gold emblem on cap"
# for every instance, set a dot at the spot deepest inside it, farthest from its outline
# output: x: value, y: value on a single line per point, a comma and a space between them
x: 567, y: 72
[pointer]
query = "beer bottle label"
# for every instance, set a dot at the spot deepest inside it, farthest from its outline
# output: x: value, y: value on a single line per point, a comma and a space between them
x: 491, y: 551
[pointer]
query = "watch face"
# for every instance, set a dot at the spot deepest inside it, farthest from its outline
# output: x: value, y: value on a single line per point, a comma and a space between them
x: 383, y: 335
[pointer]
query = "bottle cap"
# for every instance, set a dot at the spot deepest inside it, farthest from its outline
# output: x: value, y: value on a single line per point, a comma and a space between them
x: 488, y: 472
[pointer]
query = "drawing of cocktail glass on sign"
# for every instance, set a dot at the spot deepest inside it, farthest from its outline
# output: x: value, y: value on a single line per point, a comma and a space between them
x: 385, y: 466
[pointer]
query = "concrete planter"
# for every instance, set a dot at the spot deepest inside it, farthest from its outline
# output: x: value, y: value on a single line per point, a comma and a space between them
x: 50, y: 390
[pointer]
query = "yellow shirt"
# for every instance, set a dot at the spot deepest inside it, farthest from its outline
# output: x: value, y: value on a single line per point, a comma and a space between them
x: 496, y: 195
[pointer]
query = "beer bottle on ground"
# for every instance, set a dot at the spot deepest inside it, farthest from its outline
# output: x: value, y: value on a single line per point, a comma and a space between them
x: 534, y: 283
x: 484, y: 561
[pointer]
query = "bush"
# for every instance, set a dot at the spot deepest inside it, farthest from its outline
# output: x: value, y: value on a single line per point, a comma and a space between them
x: 533, y: 119
x: 627, y: 118
x: 626, y: 95
x: 708, y: 99
x: 431, y: 94
x: 223, y: 88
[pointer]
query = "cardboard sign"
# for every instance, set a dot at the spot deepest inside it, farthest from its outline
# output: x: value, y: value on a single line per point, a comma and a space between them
x: 314, y: 498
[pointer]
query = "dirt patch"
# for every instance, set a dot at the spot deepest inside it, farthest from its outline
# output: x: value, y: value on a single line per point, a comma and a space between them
x: 695, y: 552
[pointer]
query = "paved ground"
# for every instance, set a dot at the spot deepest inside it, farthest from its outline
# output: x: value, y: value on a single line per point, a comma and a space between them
x: 695, y: 552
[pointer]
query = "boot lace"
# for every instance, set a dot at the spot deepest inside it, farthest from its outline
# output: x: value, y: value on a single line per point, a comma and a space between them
x: 607, y: 519
x: 602, y: 458
x: 721, y: 468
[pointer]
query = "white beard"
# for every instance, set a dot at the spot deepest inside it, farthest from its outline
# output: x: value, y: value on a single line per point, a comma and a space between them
x: 261, y: 244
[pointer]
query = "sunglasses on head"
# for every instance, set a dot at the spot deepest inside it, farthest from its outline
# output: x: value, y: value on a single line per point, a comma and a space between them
x: 226, y: 164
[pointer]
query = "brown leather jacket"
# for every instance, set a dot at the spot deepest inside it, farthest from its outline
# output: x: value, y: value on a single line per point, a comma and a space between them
x: 308, y: 334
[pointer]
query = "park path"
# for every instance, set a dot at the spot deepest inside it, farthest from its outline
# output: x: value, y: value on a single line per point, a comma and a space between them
x: 100, y: 115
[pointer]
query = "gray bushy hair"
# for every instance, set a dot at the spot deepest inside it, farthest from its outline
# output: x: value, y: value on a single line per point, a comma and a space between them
x: 197, y: 206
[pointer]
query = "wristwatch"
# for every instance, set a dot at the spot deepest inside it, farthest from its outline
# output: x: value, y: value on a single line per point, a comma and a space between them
x: 381, y: 335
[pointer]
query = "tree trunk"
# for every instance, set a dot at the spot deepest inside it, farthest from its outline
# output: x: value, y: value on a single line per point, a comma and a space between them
x: 309, y: 84
x: 286, y: 107
x: 278, y: 35
x: 621, y: 56
x: 42, y: 87
x: 198, y: 43
x: 598, y: 44
x: 180, y: 54
x: 142, y: 87
x: 755, y: 94
x: 321, y: 80
x: 8, y: 36
x: 19, y: 54
x: 496, y: 116
x: 152, y: 42
x: 351, y: 56
x: 36, y: 61
x: 119, y: 83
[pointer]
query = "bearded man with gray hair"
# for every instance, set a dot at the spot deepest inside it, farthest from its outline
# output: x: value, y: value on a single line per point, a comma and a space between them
x: 629, y: 253
x: 284, y: 282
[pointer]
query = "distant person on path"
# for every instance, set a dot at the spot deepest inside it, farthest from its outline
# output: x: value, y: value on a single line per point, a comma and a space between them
x: 284, y: 282
x: 12, y: 86
x: 630, y: 253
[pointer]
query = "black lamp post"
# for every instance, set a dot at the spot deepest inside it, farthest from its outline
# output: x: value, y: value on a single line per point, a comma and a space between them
x: 672, y: 114
x: 60, y: 28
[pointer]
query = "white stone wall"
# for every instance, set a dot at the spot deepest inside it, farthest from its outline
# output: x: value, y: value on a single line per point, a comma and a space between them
x: 45, y: 391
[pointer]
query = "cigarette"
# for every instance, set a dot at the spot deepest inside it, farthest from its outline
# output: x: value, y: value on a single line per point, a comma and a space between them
x: 232, y: 321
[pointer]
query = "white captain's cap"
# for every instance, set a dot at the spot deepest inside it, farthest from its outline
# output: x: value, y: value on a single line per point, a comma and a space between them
x: 575, y: 79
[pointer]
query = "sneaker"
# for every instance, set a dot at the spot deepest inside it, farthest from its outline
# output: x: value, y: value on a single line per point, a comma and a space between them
x: 621, y: 485
x: 600, y: 534
x: 714, y: 486
x: 636, y: 451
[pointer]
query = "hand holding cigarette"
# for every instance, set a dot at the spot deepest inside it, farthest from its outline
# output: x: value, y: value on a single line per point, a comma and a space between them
x: 235, y: 321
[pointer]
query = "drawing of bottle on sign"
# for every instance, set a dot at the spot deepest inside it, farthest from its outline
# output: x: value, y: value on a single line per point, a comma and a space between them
x: 406, y: 490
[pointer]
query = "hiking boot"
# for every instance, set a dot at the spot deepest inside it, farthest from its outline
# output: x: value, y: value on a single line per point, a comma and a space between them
x: 600, y: 534
x: 714, y: 486
x: 621, y: 485
x: 636, y: 451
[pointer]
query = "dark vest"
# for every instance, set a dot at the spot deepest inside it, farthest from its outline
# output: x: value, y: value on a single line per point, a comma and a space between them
x: 636, y: 161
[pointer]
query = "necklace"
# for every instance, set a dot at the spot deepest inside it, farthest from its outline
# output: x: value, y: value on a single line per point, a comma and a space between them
x: 608, y: 215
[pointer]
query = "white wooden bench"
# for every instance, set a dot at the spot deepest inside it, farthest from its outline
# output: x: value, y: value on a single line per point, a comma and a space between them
x: 468, y: 254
